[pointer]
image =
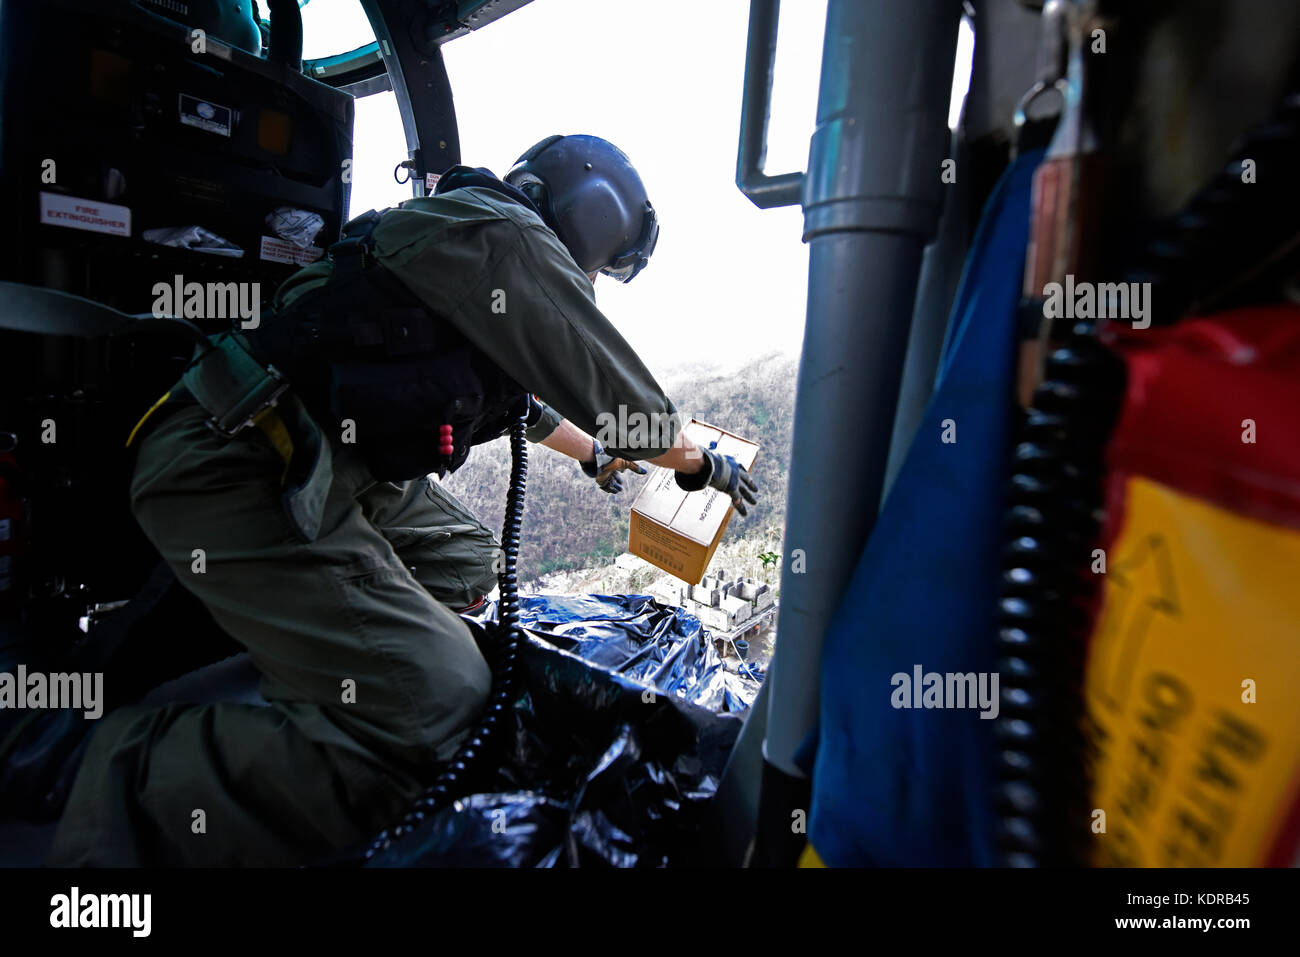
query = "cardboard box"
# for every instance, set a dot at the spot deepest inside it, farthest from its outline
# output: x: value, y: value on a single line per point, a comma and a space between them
x: 679, y: 531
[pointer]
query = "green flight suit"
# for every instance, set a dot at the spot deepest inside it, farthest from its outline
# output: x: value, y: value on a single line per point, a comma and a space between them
x: 370, y: 675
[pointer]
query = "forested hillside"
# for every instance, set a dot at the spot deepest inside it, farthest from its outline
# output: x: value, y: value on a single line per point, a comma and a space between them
x: 571, y: 524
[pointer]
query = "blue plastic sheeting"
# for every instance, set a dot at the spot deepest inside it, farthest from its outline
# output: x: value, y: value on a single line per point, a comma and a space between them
x: 913, y: 786
x: 635, y: 636
x: 595, y: 772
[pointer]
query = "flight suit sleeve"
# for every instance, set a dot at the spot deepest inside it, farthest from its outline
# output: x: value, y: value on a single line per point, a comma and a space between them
x: 517, y: 295
x: 542, y: 420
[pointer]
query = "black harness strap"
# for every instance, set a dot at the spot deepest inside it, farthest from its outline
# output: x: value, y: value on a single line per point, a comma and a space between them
x: 362, y: 348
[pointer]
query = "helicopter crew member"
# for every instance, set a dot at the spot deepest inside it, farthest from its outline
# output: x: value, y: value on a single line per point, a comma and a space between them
x: 303, y: 519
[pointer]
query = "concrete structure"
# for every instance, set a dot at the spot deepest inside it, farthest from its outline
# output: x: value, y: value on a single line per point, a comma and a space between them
x: 726, y: 605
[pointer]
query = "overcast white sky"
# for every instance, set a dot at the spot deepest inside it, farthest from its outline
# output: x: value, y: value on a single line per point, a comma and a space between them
x: 727, y: 281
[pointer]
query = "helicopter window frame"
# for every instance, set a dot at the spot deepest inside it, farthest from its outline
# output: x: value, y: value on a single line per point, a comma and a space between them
x: 359, y: 71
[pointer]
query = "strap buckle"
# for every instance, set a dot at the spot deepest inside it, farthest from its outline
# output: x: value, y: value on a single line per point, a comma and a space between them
x: 350, y: 255
x: 244, y: 413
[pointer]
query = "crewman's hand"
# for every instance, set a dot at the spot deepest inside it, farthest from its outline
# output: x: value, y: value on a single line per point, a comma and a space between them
x: 604, y: 468
x: 726, y: 475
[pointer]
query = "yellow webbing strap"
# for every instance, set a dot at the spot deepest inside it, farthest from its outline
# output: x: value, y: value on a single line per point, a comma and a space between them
x: 270, y: 424
x: 274, y: 429
x: 145, y: 418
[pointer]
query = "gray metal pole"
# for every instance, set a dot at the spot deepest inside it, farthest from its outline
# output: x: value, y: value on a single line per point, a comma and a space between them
x: 755, y: 110
x: 941, y: 268
x: 871, y: 202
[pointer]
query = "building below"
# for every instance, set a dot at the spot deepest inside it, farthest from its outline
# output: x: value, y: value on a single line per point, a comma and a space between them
x: 725, y: 605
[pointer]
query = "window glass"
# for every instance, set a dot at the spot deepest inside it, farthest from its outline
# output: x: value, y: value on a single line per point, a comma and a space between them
x: 331, y: 27
x: 378, y: 145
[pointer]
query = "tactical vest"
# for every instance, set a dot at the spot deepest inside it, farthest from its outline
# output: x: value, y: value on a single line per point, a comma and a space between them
x: 365, y: 356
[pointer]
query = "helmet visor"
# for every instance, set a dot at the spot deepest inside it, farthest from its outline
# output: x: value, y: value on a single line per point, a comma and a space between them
x: 625, y: 267
x: 623, y: 273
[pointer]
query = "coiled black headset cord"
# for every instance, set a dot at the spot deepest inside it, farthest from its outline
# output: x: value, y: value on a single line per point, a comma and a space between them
x: 1051, y: 523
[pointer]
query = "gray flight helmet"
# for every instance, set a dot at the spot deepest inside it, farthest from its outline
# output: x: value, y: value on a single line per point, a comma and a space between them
x: 589, y: 194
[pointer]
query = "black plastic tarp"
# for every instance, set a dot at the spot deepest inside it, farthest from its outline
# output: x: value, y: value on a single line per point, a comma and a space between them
x: 635, y: 636
x: 621, y: 732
